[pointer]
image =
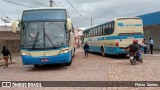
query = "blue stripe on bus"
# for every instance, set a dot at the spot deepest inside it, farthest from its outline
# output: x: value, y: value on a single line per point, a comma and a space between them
x: 122, y: 24
x: 116, y: 37
x: 115, y: 50
x: 109, y: 50
x: 123, y: 37
x: 60, y: 58
x: 95, y: 49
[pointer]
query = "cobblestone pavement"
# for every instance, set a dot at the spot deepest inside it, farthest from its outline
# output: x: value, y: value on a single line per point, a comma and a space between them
x: 93, y: 68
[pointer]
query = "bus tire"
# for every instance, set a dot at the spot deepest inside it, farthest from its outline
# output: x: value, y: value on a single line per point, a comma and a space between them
x: 102, y: 52
x: 36, y: 65
x: 123, y: 55
x: 73, y: 53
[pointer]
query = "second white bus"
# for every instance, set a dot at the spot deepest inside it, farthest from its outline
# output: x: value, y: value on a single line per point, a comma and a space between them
x: 114, y: 37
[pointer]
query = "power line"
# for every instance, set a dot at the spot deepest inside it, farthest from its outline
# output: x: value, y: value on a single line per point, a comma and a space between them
x: 75, y: 9
x: 78, y: 12
x: 17, y: 4
x: 39, y: 3
x: 23, y: 4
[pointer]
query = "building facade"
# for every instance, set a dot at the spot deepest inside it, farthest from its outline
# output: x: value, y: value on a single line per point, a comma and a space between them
x: 78, y: 35
x: 9, y: 39
x: 151, y: 24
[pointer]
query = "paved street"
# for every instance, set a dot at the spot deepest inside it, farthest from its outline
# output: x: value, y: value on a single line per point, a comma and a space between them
x: 93, y: 68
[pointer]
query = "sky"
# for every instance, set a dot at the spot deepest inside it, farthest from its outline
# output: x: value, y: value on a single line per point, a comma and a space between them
x: 81, y: 11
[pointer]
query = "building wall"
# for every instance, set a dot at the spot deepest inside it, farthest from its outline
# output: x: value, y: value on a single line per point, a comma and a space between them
x: 10, y: 40
x: 78, y: 34
x: 151, y: 18
x: 154, y: 33
x: 5, y: 28
x: 151, y: 22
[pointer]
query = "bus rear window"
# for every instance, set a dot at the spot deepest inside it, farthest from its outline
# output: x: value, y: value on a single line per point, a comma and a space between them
x: 129, y: 34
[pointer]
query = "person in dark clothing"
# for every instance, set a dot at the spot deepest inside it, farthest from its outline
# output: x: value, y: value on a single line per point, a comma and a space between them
x: 86, y: 48
x: 135, y: 47
x: 5, y: 53
x: 151, y: 43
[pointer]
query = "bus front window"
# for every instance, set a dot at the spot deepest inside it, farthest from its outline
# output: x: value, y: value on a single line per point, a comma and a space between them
x: 55, y: 34
x: 32, y: 34
x: 41, y: 35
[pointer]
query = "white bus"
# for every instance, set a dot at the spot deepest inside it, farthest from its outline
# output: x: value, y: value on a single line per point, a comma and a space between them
x: 47, y: 36
x: 115, y: 36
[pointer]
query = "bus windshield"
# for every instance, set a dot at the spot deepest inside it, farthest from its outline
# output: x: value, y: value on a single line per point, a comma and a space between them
x: 50, y: 14
x: 40, y: 35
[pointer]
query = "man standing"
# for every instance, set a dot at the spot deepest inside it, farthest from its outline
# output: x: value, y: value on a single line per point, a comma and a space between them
x: 151, y: 43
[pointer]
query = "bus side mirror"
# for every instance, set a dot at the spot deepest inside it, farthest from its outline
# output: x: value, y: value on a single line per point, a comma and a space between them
x: 69, y: 24
x: 15, y: 26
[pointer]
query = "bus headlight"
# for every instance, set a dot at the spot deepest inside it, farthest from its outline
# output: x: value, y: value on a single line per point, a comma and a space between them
x: 64, y: 51
x: 24, y: 53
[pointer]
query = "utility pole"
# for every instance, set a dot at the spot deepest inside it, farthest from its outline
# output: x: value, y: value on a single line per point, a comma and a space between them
x: 91, y: 21
x: 51, y: 3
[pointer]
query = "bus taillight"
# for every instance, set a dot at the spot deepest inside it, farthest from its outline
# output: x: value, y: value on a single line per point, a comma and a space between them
x: 117, y: 44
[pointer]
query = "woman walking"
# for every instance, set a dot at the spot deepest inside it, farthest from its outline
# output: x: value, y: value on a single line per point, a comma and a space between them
x: 5, y: 53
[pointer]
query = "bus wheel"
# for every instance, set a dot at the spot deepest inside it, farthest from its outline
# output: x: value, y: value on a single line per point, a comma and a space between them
x: 123, y: 55
x: 102, y: 52
x: 36, y: 65
x: 73, y: 53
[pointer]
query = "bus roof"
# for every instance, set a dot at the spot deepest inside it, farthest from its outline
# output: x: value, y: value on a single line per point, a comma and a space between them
x: 127, y: 18
x: 43, y: 8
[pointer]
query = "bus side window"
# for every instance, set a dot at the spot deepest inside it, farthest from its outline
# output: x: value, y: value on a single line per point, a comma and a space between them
x: 88, y: 33
x: 92, y: 30
x: 104, y: 29
x: 99, y: 28
x: 96, y: 31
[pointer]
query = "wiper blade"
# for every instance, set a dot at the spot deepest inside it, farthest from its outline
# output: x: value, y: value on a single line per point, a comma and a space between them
x: 49, y: 39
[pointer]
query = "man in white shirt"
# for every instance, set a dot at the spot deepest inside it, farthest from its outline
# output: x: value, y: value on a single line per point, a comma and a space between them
x: 151, y: 43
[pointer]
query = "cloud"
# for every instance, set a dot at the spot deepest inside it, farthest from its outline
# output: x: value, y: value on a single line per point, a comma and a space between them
x: 100, y: 10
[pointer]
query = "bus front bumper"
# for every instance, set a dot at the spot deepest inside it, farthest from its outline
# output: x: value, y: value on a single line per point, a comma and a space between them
x: 60, y: 58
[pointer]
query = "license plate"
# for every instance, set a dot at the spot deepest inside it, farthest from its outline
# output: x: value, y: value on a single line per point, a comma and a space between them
x: 44, y: 60
x: 131, y: 57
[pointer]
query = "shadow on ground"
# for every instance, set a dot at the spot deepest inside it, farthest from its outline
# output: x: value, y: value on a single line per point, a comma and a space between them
x: 2, y: 64
x: 48, y: 67
x: 116, y: 57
